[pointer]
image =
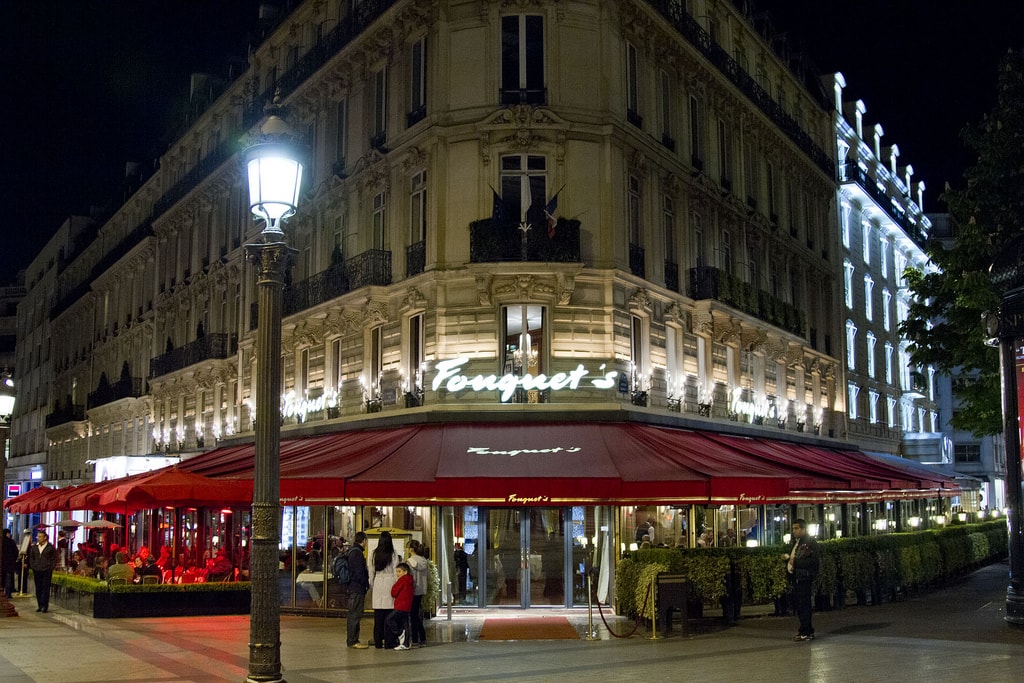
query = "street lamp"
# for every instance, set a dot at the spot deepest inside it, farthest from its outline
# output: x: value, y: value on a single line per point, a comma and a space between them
x: 6, y: 411
x: 275, y: 177
x: 1007, y: 276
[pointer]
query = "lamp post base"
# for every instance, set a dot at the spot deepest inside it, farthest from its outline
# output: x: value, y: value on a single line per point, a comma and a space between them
x: 1014, y: 607
x: 7, y: 607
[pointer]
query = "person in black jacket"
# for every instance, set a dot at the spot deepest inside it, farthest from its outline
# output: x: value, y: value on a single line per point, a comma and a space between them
x: 802, y: 564
x: 10, y: 565
x: 42, y: 559
x: 357, y: 587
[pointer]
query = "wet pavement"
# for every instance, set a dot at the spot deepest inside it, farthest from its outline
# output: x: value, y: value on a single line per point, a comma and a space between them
x: 953, y: 633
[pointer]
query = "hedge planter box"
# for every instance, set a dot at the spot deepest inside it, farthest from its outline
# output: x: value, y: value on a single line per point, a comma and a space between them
x: 121, y: 602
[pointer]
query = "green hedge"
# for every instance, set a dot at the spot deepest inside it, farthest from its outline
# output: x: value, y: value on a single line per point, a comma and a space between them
x: 83, y: 584
x: 880, y: 566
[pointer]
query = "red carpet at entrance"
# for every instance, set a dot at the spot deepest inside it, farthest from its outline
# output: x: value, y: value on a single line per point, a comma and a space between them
x: 528, y: 628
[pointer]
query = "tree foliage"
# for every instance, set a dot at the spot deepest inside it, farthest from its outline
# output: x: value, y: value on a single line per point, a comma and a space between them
x: 944, y: 323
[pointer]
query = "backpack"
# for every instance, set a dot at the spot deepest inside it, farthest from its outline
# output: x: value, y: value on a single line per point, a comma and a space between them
x: 340, y: 569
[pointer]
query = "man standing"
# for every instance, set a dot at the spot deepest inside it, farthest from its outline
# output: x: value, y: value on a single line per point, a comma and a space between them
x: 357, y: 587
x: 10, y: 564
x: 42, y: 558
x: 802, y: 565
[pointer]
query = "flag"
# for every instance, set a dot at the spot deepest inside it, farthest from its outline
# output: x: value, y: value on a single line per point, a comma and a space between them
x: 497, y: 210
x: 549, y: 213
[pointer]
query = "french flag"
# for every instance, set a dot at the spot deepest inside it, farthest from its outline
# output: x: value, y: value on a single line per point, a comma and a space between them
x: 549, y: 213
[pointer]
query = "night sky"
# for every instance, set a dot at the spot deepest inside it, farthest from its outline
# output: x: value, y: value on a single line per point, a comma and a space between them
x: 92, y: 84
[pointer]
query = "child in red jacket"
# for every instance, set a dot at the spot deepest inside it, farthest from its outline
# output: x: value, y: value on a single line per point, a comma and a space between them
x: 403, y: 590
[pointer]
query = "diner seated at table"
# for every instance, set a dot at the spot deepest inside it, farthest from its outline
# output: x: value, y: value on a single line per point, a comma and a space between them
x: 220, y: 568
x: 150, y: 568
x: 99, y: 571
x: 120, y: 569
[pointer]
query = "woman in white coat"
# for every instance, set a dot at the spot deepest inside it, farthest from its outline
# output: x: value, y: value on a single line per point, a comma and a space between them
x: 382, y: 577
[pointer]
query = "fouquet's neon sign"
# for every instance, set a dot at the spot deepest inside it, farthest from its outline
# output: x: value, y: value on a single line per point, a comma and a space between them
x: 448, y: 376
x: 292, y: 404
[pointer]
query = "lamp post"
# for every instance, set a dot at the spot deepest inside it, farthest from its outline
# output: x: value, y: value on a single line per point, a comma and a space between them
x: 275, y: 177
x: 1007, y: 275
x: 6, y: 411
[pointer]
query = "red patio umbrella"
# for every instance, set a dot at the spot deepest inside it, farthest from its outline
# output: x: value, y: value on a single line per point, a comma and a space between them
x: 172, y: 486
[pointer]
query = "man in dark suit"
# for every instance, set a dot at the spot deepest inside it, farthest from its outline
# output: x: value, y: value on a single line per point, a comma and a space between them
x: 10, y: 563
x: 42, y: 558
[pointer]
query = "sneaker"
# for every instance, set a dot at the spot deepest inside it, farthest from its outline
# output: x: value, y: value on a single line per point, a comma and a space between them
x: 359, y: 646
x: 402, y: 647
x: 800, y: 638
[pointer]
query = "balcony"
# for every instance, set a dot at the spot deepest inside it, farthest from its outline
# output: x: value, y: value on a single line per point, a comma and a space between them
x: 506, y: 242
x: 918, y: 387
x: 209, y: 347
x: 708, y: 282
x: 416, y: 258
x: 62, y: 415
x: 635, y: 118
x: 637, y: 264
x: 196, y: 175
x: 415, y: 116
x: 372, y: 267
x: 852, y: 172
x: 126, y: 387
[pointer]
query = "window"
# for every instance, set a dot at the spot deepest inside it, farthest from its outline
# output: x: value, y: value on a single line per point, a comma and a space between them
x: 417, y: 81
x: 844, y: 217
x: 632, y: 87
x: 524, y: 187
x: 302, y: 373
x: 851, y: 349
x: 891, y: 412
x: 668, y: 213
x: 341, y: 137
x: 848, y: 282
x: 873, y: 406
x: 773, y: 208
x: 374, y: 364
x: 888, y: 363
x: 666, y: 110
x: 967, y: 452
x: 750, y: 175
x: 872, y: 340
x: 869, y: 309
x: 338, y: 252
x: 413, y: 372
x: 866, y: 240
x: 522, y: 60
x: 635, y: 202
x: 886, y: 306
x: 699, y: 248
x: 335, y: 364
x: 727, y: 265
x: 899, y: 265
x: 883, y: 255
x: 378, y: 222
x: 418, y: 208
x: 696, y: 144
x: 524, y: 351
x: 724, y: 158
x: 637, y: 354
x: 380, y: 107
x: 851, y: 399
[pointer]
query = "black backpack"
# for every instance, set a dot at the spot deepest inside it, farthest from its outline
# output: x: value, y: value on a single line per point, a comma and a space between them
x: 340, y: 569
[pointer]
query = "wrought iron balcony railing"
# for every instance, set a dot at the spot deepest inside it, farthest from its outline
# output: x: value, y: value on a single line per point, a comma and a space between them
x: 209, y: 347
x: 65, y: 414
x: 708, y: 282
x: 126, y: 387
x: 490, y: 243
x: 372, y: 267
x: 637, y: 264
x: 851, y: 171
x: 416, y: 258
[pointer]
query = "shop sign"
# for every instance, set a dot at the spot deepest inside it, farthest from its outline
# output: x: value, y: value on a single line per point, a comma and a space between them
x: 448, y: 377
x: 292, y: 405
x: 484, y: 450
x: 13, y: 490
x: 763, y: 408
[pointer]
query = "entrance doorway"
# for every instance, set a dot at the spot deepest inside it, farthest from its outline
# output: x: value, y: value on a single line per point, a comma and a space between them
x: 525, y: 557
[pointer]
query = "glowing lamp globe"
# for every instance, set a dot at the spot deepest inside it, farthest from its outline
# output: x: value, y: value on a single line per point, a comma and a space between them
x: 275, y: 173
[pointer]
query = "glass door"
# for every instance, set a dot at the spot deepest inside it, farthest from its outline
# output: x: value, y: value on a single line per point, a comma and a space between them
x: 525, y: 557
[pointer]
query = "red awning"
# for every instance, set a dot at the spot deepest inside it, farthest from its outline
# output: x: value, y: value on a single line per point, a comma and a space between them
x: 562, y: 463
x: 20, y: 504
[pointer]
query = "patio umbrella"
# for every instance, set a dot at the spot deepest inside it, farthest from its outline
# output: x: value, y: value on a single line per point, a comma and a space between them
x: 69, y: 524
x: 101, y: 524
x: 172, y: 486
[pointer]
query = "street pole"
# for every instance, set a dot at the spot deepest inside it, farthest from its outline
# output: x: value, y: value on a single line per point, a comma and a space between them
x: 272, y: 261
x: 1007, y: 276
x: 6, y: 412
x: 275, y: 180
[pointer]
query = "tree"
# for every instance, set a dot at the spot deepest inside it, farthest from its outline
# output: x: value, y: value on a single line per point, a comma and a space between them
x: 944, y: 323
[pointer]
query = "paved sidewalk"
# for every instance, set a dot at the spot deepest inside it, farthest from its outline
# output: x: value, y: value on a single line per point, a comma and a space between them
x: 956, y: 633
